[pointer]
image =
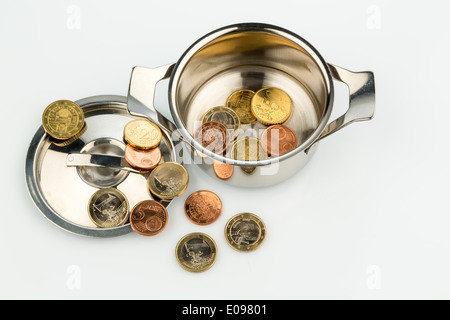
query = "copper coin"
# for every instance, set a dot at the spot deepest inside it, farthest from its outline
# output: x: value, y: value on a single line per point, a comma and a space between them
x: 148, y: 217
x: 278, y: 139
x: 213, y: 136
x: 203, y: 207
x: 222, y: 170
x: 144, y: 160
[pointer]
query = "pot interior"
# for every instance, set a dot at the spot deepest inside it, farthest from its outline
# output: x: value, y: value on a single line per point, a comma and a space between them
x: 253, y: 59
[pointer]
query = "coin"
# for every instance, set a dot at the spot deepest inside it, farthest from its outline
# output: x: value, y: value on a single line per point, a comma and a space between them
x: 108, y: 208
x: 203, y: 207
x: 278, y: 139
x: 144, y: 160
x: 248, y: 148
x: 63, y: 143
x: 148, y: 217
x: 168, y: 180
x: 213, y: 136
x: 224, y: 115
x: 222, y: 170
x: 245, y: 231
x: 271, y: 106
x: 196, y: 252
x: 142, y: 134
x: 63, y: 119
x: 240, y: 102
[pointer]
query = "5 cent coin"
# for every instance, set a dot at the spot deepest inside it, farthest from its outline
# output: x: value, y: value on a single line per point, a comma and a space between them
x: 278, y: 139
x: 148, y: 217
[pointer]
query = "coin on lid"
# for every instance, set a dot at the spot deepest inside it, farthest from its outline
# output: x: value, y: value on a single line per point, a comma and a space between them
x: 108, y: 208
x: 142, y: 134
x: 168, y: 180
x: 143, y: 160
x: 148, y: 217
x: 240, y: 102
x: 271, y: 106
x: 245, y: 232
x: 63, y: 143
x: 203, y: 207
x: 196, y: 252
x: 63, y: 119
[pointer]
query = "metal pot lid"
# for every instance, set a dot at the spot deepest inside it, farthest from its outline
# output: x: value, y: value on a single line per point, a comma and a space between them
x: 62, y: 191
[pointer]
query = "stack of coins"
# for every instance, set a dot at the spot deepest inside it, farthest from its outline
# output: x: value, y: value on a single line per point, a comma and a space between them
x: 142, y: 138
x: 220, y: 128
x: 63, y: 121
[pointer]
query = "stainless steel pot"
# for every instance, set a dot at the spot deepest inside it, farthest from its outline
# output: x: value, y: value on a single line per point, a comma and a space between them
x: 252, y: 56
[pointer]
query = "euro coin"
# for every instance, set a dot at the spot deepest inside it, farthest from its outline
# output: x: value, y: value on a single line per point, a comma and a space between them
x: 226, y: 116
x: 271, y: 106
x: 278, y: 139
x: 168, y: 180
x: 245, y: 232
x: 196, y: 252
x: 108, y: 208
x: 222, y: 170
x: 249, y: 149
x: 142, y: 134
x: 203, y: 207
x: 240, y: 102
x: 63, y: 143
x: 148, y: 217
x: 63, y: 119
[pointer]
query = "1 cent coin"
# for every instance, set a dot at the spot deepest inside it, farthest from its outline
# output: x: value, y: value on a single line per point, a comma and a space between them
x: 278, y: 139
x: 203, y: 207
x: 245, y: 232
x: 196, y: 252
x: 222, y: 170
x: 148, y: 217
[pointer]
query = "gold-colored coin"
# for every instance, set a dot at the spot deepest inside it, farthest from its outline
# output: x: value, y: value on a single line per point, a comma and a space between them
x: 196, y: 252
x: 271, y: 106
x: 226, y: 116
x: 108, y: 208
x: 168, y: 180
x: 249, y: 149
x: 142, y: 134
x: 245, y: 232
x: 63, y: 143
x: 240, y: 102
x: 63, y: 119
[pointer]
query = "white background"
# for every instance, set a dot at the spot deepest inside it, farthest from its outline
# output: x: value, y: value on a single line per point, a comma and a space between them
x: 367, y: 218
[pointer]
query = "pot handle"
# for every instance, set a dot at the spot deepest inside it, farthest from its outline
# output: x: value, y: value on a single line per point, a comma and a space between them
x: 141, y: 93
x: 361, y: 107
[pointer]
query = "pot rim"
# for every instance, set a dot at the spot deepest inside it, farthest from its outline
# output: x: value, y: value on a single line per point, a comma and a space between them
x: 246, y: 27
